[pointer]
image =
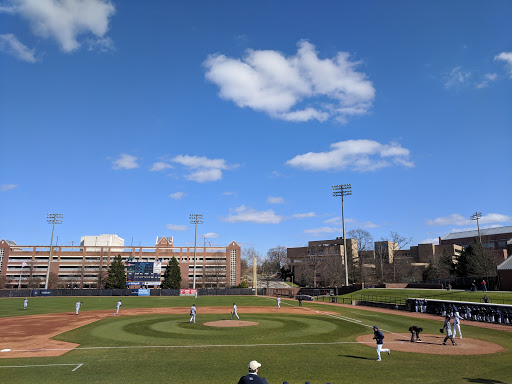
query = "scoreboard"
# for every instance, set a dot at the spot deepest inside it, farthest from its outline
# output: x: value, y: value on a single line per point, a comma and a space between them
x: 143, y: 273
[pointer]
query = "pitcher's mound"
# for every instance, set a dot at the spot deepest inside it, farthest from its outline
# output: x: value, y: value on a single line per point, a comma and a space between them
x: 230, y: 323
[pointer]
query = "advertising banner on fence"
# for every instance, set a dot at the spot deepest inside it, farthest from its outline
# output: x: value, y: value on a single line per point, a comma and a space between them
x: 144, y: 292
x: 188, y: 292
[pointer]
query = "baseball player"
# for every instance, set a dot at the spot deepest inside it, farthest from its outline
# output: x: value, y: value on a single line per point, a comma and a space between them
x: 235, y: 313
x: 379, y: 337
x: 25, y: 303
x: 193, y: 313
x: 278, y: 302
x: 449, y: 334
x: 195, y: 295
x: 118, y: 305
x: 415, y: 331
x: 77, y: 306
x: 456, y: 325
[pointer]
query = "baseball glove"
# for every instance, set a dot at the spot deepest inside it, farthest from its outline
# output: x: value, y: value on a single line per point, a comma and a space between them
x: 441, y: 330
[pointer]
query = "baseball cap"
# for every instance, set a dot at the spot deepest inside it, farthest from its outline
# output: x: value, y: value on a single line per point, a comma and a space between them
x: 254, y: 365
x: 375, y: 327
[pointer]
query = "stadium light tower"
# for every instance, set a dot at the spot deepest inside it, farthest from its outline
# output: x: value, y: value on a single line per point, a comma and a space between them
x: 195, y: 219
x: 51, y: 218
x: 476, y: 216
x: 343, y: 190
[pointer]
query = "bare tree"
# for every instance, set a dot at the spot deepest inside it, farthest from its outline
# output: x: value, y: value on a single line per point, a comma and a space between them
x: 54, y: 281
x: 3, y: 282
x: 364, y: 244
x: 398, y: 242
x: 278, y: 256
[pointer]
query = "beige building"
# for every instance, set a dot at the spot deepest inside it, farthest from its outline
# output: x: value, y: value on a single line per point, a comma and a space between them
x: 322, y: 262
x: 85, y: 266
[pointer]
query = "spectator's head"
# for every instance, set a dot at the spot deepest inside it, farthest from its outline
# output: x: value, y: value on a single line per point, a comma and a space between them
x: 253, y: 366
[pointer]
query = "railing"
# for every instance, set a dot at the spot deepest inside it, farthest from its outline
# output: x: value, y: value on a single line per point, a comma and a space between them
x: 334, y: 299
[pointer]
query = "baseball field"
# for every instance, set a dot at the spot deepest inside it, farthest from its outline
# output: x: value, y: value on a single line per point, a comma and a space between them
x: 152, y: 341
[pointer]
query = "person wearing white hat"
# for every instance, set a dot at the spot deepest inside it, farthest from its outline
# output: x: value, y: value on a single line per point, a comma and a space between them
x: 252, y: 377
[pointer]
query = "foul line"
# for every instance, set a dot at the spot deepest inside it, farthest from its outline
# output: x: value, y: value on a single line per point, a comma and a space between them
x: 42, y: 365
x: 339, y: 317
x: 176, y: 346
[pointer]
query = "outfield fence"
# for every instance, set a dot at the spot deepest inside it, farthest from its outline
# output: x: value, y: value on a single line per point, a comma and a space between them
x: 125, y: 292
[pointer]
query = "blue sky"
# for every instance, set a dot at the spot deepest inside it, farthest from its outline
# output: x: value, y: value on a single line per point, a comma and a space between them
x: 126, y: 117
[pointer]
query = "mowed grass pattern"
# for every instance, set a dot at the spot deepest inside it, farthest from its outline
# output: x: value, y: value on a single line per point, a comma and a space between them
x: 167, y: 348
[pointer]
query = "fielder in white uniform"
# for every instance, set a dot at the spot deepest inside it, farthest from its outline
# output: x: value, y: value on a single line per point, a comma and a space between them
x: 278, y: 303
x: 456, y: 325
x: 77, y: 306
x: 235, y: 313
x: 118, y: 306
x: 193, y: 313
x: 25, y: 303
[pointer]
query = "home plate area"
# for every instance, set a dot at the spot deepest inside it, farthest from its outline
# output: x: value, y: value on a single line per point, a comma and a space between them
x: 433, y: 344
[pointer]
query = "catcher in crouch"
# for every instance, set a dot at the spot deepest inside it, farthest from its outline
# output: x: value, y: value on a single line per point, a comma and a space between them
x: 415, y: 331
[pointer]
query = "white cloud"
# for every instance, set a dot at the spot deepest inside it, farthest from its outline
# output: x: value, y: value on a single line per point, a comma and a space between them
x: 12, y: 46
x: 160, y: 166
x: 173, y: 227
x: 205, y: 175
x: 323, y: 230
x: 488, y: 77
x: 101, y: 44
x: 456, y: 77
x: 354, y: 222
x: 357, y: 155
x: 210, y: 235
x: 243, y: 214
x: 204, y: 169
x: 507, y: 58
x: 275, y: 200
x: 430, y: 241
x: 456, y: 219
x: 125, y: 162
x: 7, y: 187
x: 64, y: 20
x: 302, y: 87
x: 304, y: 215
x: 178, y: 195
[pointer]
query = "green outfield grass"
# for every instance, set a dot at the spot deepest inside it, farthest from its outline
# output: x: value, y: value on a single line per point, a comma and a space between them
x: 168, y: 349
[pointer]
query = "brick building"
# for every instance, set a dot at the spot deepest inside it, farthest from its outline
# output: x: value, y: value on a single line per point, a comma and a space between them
x: 84, y: 266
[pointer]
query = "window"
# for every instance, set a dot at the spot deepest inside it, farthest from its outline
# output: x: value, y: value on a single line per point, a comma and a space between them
x: 233, y: 267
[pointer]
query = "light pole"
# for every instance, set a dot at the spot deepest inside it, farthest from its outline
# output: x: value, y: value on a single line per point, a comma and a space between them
x: 343, y: 190
x: 195, y: 219
x: 476, y: 216
x: 51, y: 218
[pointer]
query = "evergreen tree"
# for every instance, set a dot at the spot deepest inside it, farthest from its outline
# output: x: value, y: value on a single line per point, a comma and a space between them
x: 172, y: 275
x: 116, y: 276
x: 462, y: 266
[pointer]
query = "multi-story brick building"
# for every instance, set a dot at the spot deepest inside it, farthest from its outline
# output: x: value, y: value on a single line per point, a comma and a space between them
x: 85, y: 266
x: 497, y: 241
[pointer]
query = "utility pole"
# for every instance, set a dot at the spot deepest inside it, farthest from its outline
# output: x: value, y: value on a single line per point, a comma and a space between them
x: 343, y: 190
x: 51, y: 218
x: 476, y: 216
x: 254, y: 276
x: 195, y: 219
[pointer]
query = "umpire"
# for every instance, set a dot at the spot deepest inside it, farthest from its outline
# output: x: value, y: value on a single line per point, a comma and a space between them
x: 415, y: 331
x: 252, y: 377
